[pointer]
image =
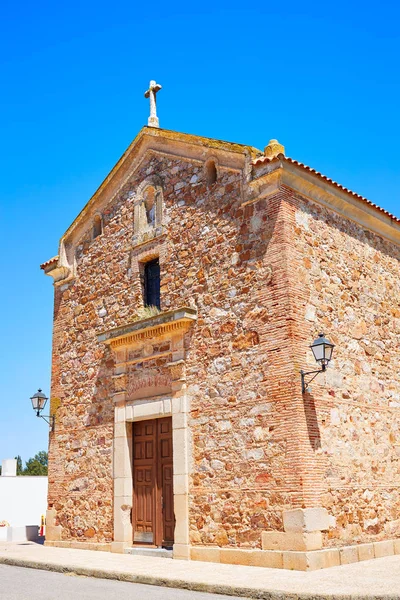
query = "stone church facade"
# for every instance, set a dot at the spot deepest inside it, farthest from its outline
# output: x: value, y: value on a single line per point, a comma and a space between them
x: 187, y: 294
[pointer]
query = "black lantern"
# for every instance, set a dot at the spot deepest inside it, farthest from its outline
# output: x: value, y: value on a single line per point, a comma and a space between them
x: 38, y: 403
x: 322, y: 350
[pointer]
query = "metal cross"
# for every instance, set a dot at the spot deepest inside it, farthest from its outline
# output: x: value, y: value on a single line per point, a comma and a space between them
x: 151, y: 93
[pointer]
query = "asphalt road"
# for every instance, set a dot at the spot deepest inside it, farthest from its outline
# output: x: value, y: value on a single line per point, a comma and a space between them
x: 17, y: 583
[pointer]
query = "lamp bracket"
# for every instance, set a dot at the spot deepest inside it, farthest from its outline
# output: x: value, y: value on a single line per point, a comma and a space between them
x: 50, y: 419
x: 304, y: 383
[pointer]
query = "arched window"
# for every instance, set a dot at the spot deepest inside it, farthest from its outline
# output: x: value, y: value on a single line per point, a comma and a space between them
x: 97, y: 226
x: 211, y: 172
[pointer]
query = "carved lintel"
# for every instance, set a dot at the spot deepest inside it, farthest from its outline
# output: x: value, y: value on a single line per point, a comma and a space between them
x: 163, y: 325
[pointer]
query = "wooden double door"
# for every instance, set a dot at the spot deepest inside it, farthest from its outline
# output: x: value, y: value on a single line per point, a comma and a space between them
x: 153, y: 496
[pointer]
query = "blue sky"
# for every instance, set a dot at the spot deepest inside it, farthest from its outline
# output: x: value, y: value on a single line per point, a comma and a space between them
x: 320, y: 77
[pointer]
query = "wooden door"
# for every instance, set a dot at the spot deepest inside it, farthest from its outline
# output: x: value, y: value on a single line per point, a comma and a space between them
x: 144, y: 474
x: 153, y: 502
x: 164, y: 431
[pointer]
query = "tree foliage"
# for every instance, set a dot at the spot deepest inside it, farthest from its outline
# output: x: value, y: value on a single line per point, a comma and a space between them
x: 34, y: 466
x: 20, y: 470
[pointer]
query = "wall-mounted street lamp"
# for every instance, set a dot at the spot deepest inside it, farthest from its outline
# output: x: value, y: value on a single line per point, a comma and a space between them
x: 322, y: 350
x: 38, y: 403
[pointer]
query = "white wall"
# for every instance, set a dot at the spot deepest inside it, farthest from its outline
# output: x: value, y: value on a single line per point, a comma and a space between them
x: 23, y: 499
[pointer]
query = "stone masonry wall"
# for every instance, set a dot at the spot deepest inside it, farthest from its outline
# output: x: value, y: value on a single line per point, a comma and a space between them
x: 352, y: 279
x: 248, y: 417
x: 235, y: 263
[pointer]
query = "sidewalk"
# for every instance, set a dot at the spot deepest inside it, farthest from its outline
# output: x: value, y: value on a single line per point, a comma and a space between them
x: 378, y: 578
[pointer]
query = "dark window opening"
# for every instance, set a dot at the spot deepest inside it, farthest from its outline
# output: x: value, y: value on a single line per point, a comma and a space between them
x: 152, y: 283
x: 211, y: 172
x: 97, y: 226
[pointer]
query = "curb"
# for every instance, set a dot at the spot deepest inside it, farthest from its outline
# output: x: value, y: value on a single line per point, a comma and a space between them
x: 211, y: 588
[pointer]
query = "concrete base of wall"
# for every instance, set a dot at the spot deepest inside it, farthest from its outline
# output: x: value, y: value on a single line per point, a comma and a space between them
x: 79, y: 545
x: 274, y: 559
x: 297, y: 560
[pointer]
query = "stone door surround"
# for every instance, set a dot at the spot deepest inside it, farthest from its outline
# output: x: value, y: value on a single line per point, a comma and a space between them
x: 148, y: 341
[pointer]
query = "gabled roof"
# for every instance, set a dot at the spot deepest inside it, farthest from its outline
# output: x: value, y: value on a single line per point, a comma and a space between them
x: 154, y: 139
x: 168, y: 137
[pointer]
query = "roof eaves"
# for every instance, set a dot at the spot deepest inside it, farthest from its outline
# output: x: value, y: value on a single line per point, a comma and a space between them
x: 49, y: 262
x: 282, y: 157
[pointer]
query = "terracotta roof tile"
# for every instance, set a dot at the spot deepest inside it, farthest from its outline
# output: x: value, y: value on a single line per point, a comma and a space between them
x: 265, y: 159
x: 49, y: 262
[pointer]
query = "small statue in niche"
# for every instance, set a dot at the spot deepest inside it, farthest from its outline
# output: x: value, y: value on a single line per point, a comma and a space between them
x: 150, y: 205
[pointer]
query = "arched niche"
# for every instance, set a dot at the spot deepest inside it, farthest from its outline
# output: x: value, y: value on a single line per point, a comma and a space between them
x: 97, y: 226
x: 148, y: 209
x: 210, y: 171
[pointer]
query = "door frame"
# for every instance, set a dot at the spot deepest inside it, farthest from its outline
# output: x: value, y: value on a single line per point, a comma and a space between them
x: 125, y: 414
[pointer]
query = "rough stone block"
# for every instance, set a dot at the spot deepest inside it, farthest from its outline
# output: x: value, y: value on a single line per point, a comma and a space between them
x: 122, y: 486
x: 182, y: 522
x: 365, y: 551
x: 59, y: 544
x: 323, y: 559
x: 180, y: 421
x: 119, y: 415
x: 100, y: 547
x: 51, y: 517
x: 385, y: 548
x: 272, y: 559
x: 396, y: 544
x: 181, y: 484
x: 53, y: 533
x: 296, y: 541
x: 180, y: 445
x: 306, y: 520
x: 311, y: 561
x: 233, y: 556
x: 295, y: 561
x: 181, y: 551
x: 332, y: 522
x: 206, y: 554
x: 120, y: 430
x: 348, y: 554
x: 79, y: 545
x: 332, y: 557
x: 119, y: 547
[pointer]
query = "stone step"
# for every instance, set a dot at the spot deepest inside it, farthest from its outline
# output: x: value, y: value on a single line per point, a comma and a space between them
x: 156, y: 552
